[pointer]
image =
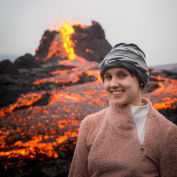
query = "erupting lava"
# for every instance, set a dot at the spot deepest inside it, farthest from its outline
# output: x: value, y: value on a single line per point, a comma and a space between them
x: 66, y: 31
x: 28, y: 131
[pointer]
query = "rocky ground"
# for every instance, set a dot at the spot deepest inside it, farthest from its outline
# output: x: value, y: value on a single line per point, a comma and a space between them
x: 42, y: 102
x: 22, y: 83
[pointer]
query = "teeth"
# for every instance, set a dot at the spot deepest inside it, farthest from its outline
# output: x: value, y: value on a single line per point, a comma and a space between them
x: 116, y: 93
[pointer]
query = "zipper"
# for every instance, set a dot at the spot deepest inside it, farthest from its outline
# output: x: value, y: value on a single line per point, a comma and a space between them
x: 142, y: 148
x: 142, y: 151
x: 140, y: 145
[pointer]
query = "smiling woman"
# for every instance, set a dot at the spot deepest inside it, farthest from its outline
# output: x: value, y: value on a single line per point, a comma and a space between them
x: 123, y: 139
x: 121, y: 87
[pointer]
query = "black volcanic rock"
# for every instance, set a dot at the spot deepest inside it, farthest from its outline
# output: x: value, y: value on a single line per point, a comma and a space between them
x: 7, y: 67
x: 27, y: 61
x: 90, y: 42
x: 12, y: 86
x: 150, y: 87
x: 41, y: 118
x: 43, y: 49
x: 168, y: 67
x: 95, y: 30
x: 162, y: 73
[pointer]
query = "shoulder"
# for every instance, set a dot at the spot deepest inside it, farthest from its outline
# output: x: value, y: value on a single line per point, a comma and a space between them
x: 161, y: 121
x: 156, y: 117
x: 156, y: 114
x: 94, y: 120
x: 98, y: 116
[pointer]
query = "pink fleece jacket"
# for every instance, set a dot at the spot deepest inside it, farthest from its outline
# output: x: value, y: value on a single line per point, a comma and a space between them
x: 108, y: 145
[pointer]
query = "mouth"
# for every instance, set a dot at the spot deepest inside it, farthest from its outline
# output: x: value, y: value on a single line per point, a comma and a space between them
x: 117, y: 92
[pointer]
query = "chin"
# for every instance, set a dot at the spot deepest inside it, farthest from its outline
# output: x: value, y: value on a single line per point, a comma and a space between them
x: 118, y: 102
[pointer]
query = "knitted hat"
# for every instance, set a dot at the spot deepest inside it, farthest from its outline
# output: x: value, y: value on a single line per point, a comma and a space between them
x: 128, y: 56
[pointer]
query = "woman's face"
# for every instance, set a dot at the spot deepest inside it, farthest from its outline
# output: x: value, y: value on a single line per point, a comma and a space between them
x: 121, y: 87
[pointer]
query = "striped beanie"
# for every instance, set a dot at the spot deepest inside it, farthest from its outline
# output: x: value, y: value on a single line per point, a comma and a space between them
x: 128, y: 56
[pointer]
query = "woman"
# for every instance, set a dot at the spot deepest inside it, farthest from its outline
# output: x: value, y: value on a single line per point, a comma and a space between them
x: 128, y: 138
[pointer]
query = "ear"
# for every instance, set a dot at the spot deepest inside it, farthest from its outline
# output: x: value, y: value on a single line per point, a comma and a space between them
x: 141, y: 84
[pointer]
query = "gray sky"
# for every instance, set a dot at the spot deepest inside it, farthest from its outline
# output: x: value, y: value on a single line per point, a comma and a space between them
x: 151, y: 24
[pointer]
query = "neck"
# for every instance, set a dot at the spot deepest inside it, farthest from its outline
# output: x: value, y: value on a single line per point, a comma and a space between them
x: 121, y: 116
x: 141, y: 102
x: 138, y: 103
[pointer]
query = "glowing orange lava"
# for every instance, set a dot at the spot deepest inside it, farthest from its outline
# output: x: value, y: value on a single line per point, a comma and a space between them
x: 66, y: 32
x: 42, y: 130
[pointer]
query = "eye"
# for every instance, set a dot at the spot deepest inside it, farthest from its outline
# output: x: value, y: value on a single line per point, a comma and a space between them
x: 107, y: 76
x: 122, y: 75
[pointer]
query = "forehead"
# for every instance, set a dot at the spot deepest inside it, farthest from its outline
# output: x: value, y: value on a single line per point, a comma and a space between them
x: 115, y: 70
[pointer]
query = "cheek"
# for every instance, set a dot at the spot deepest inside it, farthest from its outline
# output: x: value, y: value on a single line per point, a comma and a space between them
x: 126, y: 83
x: 106, y: 86
x: 131, y: 84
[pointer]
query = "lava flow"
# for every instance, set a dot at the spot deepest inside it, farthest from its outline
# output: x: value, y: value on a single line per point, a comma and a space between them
x: 29, y: 131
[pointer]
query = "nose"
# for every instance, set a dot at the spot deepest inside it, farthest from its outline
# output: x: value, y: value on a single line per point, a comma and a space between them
x: 114, y: 82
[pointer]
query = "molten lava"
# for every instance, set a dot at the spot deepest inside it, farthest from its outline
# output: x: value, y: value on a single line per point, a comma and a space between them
x: 29, y: 132
x: 66, y: 31
x: 56, y: 48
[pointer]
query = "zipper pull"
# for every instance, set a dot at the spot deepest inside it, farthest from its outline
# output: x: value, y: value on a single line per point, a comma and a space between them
x: 142, y: 148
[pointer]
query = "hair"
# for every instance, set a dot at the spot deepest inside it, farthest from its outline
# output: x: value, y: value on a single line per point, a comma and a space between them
x: 140, y: 81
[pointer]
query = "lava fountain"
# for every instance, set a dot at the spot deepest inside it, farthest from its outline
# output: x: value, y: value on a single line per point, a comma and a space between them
x: 32, y: 134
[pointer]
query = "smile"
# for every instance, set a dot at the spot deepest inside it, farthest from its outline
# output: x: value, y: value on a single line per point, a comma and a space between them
x: 116, y: 92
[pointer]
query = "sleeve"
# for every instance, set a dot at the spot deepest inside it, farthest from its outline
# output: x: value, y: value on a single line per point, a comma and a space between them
x: 79, y: 167
x: 168, y: 161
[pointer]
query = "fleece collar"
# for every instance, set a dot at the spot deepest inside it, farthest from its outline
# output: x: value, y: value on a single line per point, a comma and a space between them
x: 120, y: 117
